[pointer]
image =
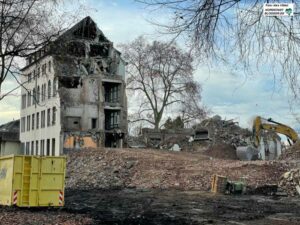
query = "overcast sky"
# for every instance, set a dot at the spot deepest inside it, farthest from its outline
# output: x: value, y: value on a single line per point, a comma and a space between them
x: 230, y: 95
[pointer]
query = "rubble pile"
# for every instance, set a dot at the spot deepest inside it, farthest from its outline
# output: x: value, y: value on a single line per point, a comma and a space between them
x: 145, y: 168
x: 88, y: 169
x: 290, y: 182
x: 225, y: 131
x: 181, y: 141
x: 292, y: 152
x: 222, y: 151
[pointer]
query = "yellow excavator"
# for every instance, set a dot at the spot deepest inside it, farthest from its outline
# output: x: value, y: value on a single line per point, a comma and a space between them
x: 260, y: 124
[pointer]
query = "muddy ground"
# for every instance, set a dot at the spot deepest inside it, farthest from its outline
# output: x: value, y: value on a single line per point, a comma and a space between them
x: 147, y: 207
x: 159, y: 207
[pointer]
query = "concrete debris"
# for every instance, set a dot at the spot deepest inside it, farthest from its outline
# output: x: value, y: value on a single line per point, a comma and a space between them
x: 290, y: 182
x: 145, y: 168
x: 175, y: 148
x: 291, y: 153
x: 225, y: 131
x: 166, y: 138
x: 208, y: 136
x: 135, y: 142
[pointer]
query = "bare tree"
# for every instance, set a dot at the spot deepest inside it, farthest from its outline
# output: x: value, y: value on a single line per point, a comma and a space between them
x: 236, y: 32
x: 25, y: 26
x: 161, y: 75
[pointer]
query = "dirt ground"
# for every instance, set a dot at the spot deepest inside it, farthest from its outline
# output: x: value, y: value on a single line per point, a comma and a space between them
x: 156, y: 207
x: 152, y: 187
x: 159, y: 207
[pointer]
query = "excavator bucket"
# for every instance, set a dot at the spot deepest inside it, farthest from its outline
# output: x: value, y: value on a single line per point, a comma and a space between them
x: 247, y: 153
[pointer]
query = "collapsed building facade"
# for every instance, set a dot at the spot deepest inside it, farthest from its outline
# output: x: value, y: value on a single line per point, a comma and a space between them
x: 74, y: 94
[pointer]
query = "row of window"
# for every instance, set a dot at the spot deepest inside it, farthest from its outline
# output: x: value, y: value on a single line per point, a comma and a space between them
x: 37, y: 55
x: 41, y: 147
x: 38, y: 94
x: 37, y: 71
x: 34, y: 121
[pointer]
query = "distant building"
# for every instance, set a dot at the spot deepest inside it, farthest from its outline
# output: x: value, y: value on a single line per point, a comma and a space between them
x: 74, y: 94
x: 9, y: 138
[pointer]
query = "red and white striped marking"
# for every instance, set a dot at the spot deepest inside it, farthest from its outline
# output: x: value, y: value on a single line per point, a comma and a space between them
x: 15, y: 199
x: 61, y: 198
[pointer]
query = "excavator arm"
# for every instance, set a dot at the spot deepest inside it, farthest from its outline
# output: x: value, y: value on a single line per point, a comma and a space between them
x: 280, y: 128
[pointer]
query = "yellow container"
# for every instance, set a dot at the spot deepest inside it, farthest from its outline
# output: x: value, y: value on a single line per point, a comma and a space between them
x: 32, y: 181
x: 218, y: 184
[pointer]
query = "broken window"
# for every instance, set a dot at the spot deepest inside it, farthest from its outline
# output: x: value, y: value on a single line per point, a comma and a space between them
x: 99, y: 50
x: 70, y: 82
x: 76, y: 49
x: 112, y: 93
x: 94, y: 123
x: 112, y: 119
x: 73, y: 123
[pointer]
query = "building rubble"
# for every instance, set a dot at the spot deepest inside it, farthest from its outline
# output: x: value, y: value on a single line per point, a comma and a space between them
x: 290, y: 182
x: 225, y: 131
x: 147, y: 168
x: 207, y: 135
x: 292, y: 152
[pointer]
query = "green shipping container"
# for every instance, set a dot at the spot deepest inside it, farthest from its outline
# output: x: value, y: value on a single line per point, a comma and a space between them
x: 32, y: 181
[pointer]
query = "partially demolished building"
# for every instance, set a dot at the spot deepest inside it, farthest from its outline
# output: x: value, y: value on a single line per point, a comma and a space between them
x: 74, y: 94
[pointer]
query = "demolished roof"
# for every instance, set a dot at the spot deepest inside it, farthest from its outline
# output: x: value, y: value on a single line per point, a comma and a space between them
x: 85, y: 29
